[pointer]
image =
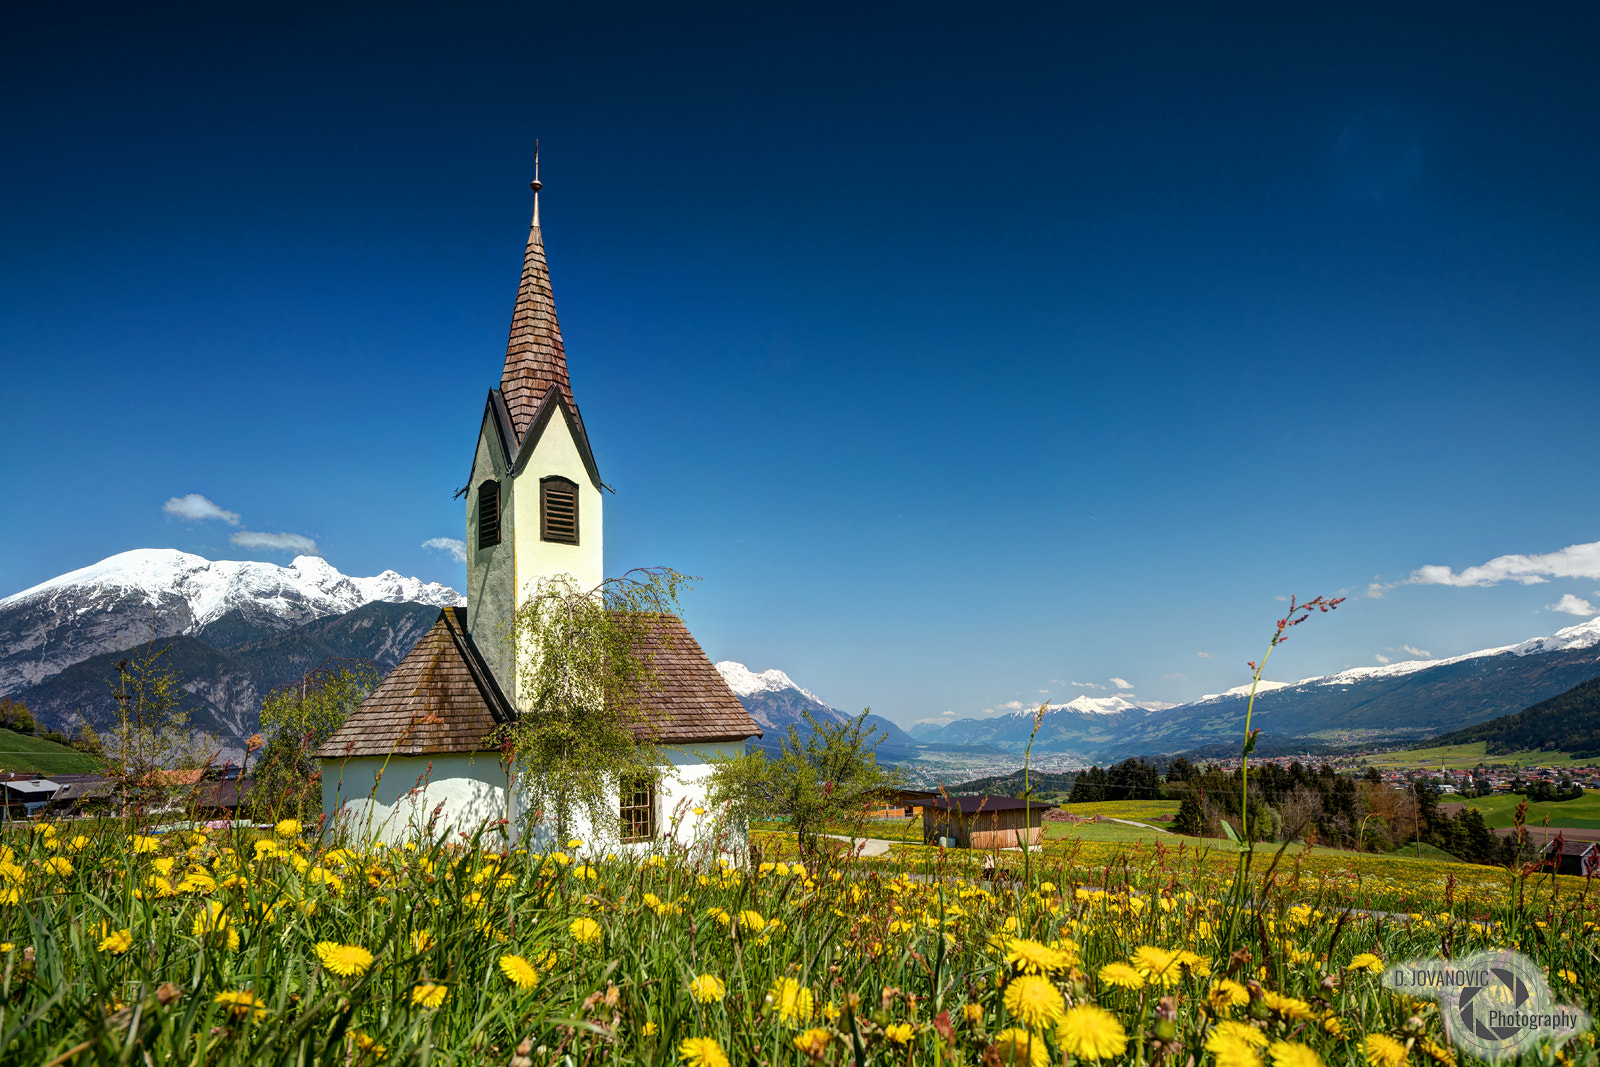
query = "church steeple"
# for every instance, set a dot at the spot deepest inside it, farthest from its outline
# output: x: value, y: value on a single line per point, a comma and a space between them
x: 536, y: 359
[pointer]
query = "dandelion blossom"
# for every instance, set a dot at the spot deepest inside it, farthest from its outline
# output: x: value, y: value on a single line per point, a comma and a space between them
x: 367, y: 1044
x: 1384, y: 1051
x: 1034, y: 1002
x: 1157, y: 965
x: 1242, y: 1032
x: 1121, y: 975
x: 1019, y: 1048
x: 792, y: 1000
x: 813, y: 1041
x: 117, y: 942
x: 1365, y: 961
x: 1293, y: 1054
x: 1232, y: 1050
x: 752, y: 921
x: 1226, y: 993
x: 707, y: 989
x: 972, y: 1013
x: 241, y: 1002
x: 585, y: 931
x: 522, y: 974
x: 429, y: 994
x: 900, y: 1033
x: 288, y: 828
x: 1091, y: 1033
x: 1030, y: 957
x: 702, y: 1052
x: 344, y: 960
x: 421, y: 940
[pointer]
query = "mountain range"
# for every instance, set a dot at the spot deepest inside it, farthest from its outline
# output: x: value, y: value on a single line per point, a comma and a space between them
x: 1406, y: 701
x: 777, y: 703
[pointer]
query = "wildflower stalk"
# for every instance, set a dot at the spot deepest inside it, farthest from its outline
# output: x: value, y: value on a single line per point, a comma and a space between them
x: 1297, y: 614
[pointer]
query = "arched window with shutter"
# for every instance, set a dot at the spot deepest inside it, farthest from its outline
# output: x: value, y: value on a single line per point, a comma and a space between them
x: 488, y: 514
x: 558, y: 510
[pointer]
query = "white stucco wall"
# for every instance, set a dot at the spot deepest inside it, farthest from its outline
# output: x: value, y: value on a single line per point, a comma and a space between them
x: 557, y: 453
x: 472, y: 791
x: 468, y: 790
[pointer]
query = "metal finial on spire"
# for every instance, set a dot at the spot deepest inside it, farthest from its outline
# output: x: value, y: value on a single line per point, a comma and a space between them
x: 536, y: 184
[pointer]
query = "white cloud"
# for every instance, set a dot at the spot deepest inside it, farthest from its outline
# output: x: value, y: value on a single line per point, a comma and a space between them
x: 1573, y: 605
x: 1122, y: 683
x: 1420, y: 653
x: 1206, y: 655
x: 195, y: 508
x: 280, y: 542
x: 1574, y: 561
x: 1380, y: 657
x: 456, y: 549
x: 1375, y: 590
x: 1086, y: 685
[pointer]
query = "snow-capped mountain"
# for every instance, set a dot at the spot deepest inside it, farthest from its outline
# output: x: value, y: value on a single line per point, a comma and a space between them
x: 774, y: 700
x: 150, y: 593
x: 1112, y: 705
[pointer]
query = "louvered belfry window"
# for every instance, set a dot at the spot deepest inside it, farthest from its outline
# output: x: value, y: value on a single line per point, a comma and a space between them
x: 488, y: 514
x: 639, y: 810
x: 558, y: 511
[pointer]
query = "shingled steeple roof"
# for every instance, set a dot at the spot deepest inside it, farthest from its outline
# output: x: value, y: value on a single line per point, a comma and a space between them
x: 536, y: 359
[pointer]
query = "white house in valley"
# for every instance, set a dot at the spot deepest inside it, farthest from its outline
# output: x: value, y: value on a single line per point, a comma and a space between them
x: 415, y: 751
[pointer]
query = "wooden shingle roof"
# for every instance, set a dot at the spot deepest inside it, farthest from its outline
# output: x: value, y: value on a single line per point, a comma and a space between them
x: 691, y: 703
x: 440, y: 698
x: 536, y: 358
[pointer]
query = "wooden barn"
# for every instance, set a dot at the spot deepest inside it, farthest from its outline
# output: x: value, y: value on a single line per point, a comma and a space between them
x: 902, y: 804
x: 983, y: 822
x: 1581, y: 858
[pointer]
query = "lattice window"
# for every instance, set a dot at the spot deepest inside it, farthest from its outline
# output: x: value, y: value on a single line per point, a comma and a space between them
x: 639, y: 810
x: 488, y: 514
x: 558, y: 510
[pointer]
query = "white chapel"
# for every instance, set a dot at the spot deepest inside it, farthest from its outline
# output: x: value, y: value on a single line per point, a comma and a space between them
x: 414, y: 754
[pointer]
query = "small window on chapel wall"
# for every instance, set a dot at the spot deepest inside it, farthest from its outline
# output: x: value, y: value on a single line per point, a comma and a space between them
x: 639, y: 810
x: 488, y: 514
x: 558, y: 510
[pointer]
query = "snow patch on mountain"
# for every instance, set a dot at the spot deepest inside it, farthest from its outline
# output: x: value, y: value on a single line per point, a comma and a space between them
x: 744, y: 682
x: 1114, y: 705
x: 152, y: 593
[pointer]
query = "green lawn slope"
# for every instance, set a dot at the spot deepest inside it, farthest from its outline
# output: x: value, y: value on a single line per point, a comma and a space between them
x: 20, y: 752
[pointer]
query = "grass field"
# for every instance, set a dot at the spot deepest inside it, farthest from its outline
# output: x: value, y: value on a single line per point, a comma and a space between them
x: 1583, y: 812
x: 1464, y: 756
x: 19, y: 752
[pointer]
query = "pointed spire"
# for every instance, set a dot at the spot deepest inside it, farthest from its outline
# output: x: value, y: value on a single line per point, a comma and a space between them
x: 536, y: 359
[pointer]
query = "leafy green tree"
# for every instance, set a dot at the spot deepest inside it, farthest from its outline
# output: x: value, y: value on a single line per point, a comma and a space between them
x: 152, y: 732
x: 15, y: 716
x: 827, y: 777
x: 583, y: 678
x: 299, y: 717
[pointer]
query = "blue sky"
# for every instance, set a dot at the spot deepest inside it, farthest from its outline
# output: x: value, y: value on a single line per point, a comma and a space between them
x: 967, y: 354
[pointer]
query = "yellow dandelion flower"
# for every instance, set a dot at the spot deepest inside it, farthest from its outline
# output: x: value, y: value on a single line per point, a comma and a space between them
x: 368, y: 1045
x: 1365, y: 961
x: 1016, y: 1047
x: 144, y: 843
x: 1034, y: 1002
x: 1158, y: 965
x: 344, y: 960
x: 584, y: 931
x: 1438, y: 1054
x: 702, y: 1052
x: 429, y: 994
x: 1091, y: 1033
x: 1332, y: 1024
x: 650, y: 1029
x: 707, y: 989
x: 1232, y: 1050
x: 1240, y: 1032
x: 792, y: 1000
x: 1567, y: 975
x: 58, y: 865
x: 522, y: 974
x: 1384, y: 1051
x: 900, y: 1033
x: 1226, y: 993
x: 813, y: 1041
x: 1121, y: 975
x: 116, y: 942
x: 212, y: 921
x: 972, y: 1013
x: 1030, y: 957
x: 241, y: 1002
x: 421, y: 940
x: 752, y: 922
x: 288, y: 828
x: 1293, y: 1054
